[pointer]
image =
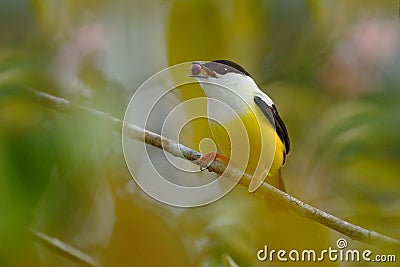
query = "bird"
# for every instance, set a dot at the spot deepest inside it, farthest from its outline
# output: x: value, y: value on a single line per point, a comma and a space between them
x: 226, y: 83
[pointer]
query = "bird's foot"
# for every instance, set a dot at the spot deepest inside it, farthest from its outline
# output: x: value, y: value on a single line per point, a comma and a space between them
x: 208, y: 158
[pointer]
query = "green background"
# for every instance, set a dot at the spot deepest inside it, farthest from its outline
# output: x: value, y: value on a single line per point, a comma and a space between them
x: 332, y: 68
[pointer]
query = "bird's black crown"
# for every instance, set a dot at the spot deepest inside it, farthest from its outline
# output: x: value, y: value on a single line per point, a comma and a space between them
x: 224, y: 66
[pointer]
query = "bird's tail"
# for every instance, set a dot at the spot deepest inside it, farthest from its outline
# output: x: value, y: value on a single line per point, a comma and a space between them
x: 278, y: 182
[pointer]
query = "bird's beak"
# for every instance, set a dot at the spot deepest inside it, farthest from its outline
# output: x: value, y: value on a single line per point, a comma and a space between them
x: 197, y: 68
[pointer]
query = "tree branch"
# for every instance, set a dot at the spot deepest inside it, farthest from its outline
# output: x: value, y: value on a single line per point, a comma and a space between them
x: 63, y: 249
x: 303, y: 209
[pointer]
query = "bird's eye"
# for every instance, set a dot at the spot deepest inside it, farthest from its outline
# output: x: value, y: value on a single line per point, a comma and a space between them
x: 224, y: 71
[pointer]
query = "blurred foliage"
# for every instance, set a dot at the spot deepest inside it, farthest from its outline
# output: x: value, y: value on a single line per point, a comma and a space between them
x: 330, y: 66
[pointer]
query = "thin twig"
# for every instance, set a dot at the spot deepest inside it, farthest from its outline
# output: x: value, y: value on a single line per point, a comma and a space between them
x: 303, y: 209
x: 63, y: 249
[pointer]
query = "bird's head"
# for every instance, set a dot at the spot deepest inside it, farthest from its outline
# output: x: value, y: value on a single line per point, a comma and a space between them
x: 220, y: 76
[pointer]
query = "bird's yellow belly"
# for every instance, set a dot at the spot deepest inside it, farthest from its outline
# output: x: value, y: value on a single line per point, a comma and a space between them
x: 249, y: 142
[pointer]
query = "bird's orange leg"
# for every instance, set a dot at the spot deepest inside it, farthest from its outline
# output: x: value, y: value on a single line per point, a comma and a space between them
x: 205, y: 160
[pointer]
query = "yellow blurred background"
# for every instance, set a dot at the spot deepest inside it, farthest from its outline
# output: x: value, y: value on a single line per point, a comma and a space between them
x: 332, y: 68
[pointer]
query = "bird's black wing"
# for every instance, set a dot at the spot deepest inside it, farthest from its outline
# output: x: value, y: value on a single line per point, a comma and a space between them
x: 273, y: 116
